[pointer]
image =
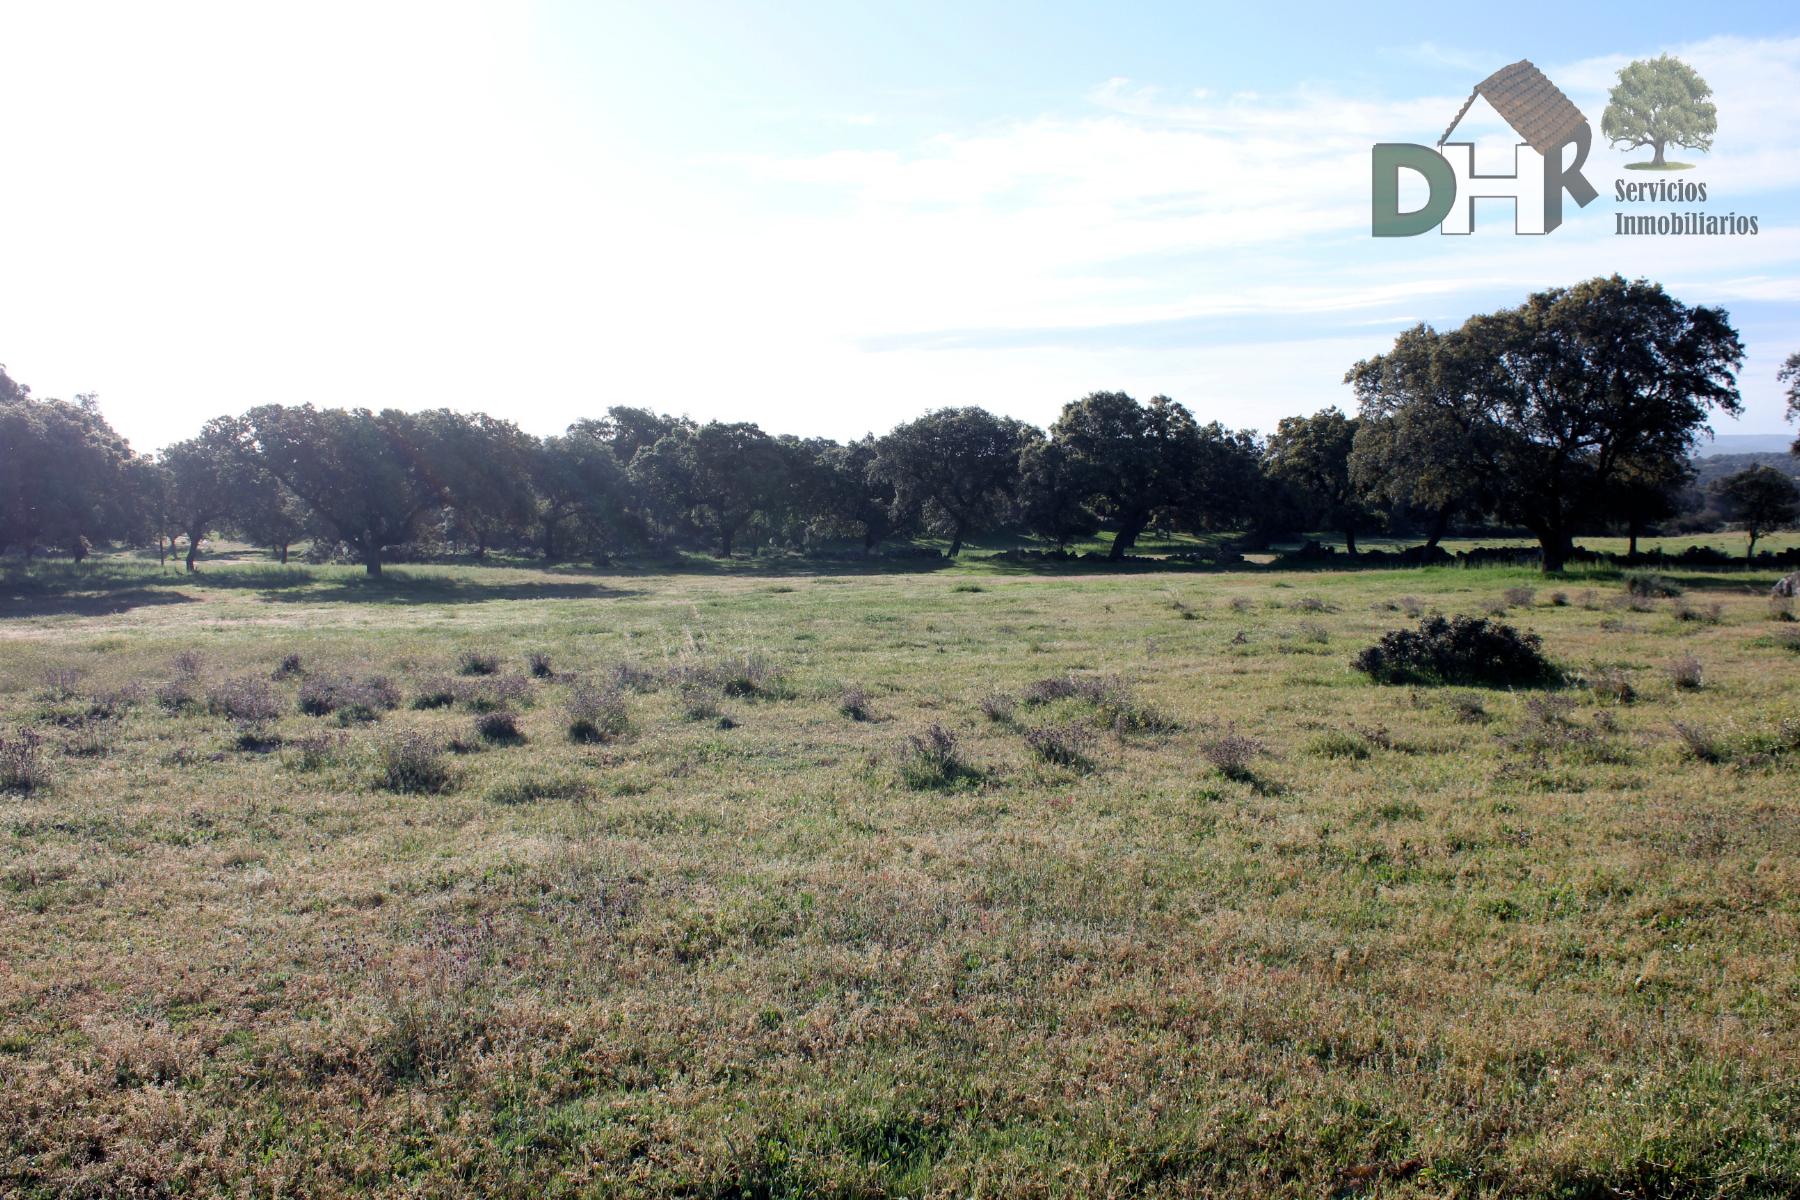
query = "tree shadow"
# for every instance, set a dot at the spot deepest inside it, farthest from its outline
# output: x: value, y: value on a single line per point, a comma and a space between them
x: 412, y: 590
x: 86, y: 604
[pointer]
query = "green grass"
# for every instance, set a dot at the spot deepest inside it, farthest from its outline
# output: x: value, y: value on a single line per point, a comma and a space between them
x: 1427, y: 942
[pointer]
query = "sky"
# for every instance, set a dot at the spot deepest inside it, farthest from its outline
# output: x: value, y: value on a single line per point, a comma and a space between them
x: 820, y: 215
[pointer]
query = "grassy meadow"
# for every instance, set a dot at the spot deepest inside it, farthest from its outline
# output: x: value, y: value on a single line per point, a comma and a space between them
x: 963, y: 882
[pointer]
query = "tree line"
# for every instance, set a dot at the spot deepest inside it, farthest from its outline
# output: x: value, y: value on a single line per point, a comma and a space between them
x: 1574, y: 411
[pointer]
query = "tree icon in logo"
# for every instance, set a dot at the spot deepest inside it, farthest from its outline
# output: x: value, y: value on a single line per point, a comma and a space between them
x: 1658, y: 102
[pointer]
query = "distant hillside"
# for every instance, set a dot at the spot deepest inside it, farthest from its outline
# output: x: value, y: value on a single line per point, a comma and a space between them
x: 1745, y: 443
x: 1713, y: 467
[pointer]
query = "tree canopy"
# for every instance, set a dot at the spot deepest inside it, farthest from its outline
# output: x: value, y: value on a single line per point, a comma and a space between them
x: 1660, y: 102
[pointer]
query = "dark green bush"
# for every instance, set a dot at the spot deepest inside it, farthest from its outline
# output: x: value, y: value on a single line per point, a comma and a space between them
x: 1466, y: 650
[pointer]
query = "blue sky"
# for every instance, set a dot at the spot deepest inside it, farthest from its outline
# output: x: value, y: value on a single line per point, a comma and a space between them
x: 825, y: 217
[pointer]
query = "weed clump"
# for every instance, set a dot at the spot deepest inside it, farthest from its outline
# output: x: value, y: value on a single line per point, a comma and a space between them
x: 179, y: 694
x: 1465, y: 650
x: 439, y: 691
x: 854, y: 703
x: 315, y: 750
x: 60, y: 683
x: 412, y: 761
x: 494, y: 693
x: 531, y: 788
x: 287, y: 668
x: 997, y: 707
x: 1709, y: 614
x: 1687, y: 673
x: 478, y: 662
x: 22, y: 766
x: 1519, y: 597
x: 1341, y: 743
x: 929, y: 759
x: 699, y: 703
x: 1649, y: 585
x: 540, y: 665
x: 596, y: 714
x: 247, y: 701
x: 1068, y: 745
x: 500, y: 727
x: 1231, y: 753
x: 1108, y: 694
x: 1611, y: 684
x: 1697, y: 741
x: 352, y: 700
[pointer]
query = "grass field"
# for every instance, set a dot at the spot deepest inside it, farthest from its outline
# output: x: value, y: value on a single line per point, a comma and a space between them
x: 762, y: 933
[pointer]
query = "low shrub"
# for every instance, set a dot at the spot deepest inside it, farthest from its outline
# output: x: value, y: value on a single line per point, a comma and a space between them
x: 699, y: 703
x: 287, y: 668
x: 1109, y: 695
x: 854, y: 703
x: 179, y: 694
x: 1696, y: 741
x: 1312, y: 632
x: 596, y: 714
x: 529, y: 788
x: 248, y: 701
x: 478, y: 662
x: 350, y: 699
x: 186, y: 664
x: 1650, y: 585
x: 315, y: 750
x: 60, y: 684
x: 1466, y: 707
x: 1709, y: 614
x: 499, y: 726
x: 1519, y: 597
x: 439, y: 691
x: 22, y: 766
x: 1340, y: 743
x: 997, y: 707
x: 1687, y: 673
x: 540, y: 665
x: 1231, y: 753
x: 1611, y: 684
x: 412, y: 761
x: 1067, y: 745
x: 929, y: 759
x: 1466, y: 650
x: 631, y: 677
x: 494, y: 692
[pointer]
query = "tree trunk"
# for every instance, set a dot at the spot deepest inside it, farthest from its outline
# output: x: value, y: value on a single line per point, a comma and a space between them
x: 1659, y: 160
x: 869, y: 541
x: 956, y: 537
x: 193, y: 552
x: 1126, y: 538
x: 282, y: 551
x: 1440, y: 525
x: 1631, y: 530
x: 726, y: 534
x: 372, y: 560
x: 1350, y: 540
x: 1750, y: 550
x: 550, y: 540
x: 1557, y: 547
